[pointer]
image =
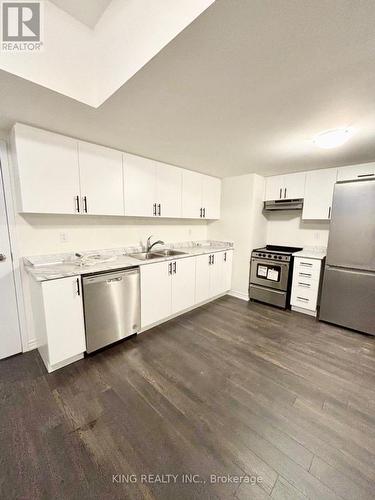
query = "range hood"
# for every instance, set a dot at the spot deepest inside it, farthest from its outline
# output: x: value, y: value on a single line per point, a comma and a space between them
x: 296, y: 204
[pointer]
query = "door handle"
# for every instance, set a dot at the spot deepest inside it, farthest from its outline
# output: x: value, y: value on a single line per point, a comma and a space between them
x: 85, y: 204
x: 2, y: 257
x: 174, y: 267
x: 159, y: 209
x: 77, y: 203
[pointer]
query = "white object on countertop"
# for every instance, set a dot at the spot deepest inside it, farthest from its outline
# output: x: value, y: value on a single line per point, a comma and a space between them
x: 312, y: 253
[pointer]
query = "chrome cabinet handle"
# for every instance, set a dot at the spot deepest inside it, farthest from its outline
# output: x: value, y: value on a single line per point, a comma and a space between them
x: 85, y: 204
x: 306, y: 264
x: 225, y: 256
x: 170, y: 268
x: 201, y: 212
x: 365, y: 175
x: 159, y: 209
x: 76, y: 198
x: 174, y: 267
x: 303, y: 299
x: 284, y: 192
x: 2, y: 257
x: 204, y: 213
x: 209, y: 260
x: 308, y: 275
x: 213, y: 258
x: 280, y: 193
x: 307, y: 285
x: 329, y: 213
x: 78, y: 287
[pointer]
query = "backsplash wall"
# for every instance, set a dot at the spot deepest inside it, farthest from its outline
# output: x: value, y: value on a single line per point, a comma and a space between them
x: 288, y: 228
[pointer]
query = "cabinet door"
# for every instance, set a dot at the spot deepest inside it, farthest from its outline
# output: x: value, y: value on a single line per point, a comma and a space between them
x: 211, y: 197
x: 183, y: 284
x: 294, y: 185
x: 169, y: 190
x: 319, y: 193
x: 191, y: 194
x: 155, y: 292
x: 356, y: 172
x: 202, y: 278
x: 216, y: 274
x: 101, y: 178
x: 139, y: 186
x: 227, y: 262
x: 274, y: 188
x: 64, y: 318
x: 48, y: 175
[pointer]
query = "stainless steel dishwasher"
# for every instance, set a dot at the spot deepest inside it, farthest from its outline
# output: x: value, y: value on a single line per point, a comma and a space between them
x: 112, y: 307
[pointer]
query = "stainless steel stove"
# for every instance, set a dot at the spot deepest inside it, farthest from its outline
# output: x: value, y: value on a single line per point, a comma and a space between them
x: 271, y: 270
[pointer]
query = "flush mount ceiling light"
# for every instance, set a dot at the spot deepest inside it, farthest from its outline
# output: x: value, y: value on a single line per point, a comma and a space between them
x: 333, y: 138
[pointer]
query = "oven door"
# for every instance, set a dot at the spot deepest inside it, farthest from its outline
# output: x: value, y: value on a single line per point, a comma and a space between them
x: 268, y: 273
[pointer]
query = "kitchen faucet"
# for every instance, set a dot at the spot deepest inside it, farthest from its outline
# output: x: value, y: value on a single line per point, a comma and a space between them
x: 149, y: 246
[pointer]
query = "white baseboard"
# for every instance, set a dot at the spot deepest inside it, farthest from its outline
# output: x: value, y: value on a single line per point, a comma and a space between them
x: 239, y: 295
x: 304, y: 311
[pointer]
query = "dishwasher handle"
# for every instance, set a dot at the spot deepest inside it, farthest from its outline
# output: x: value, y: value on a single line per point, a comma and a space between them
x: 111, y: 277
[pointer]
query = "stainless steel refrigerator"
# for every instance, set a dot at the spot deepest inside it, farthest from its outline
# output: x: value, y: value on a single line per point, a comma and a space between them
x: 348, y: 293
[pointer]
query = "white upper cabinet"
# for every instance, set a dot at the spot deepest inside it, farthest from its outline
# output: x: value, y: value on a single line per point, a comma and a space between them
x: 191, y: 194
x: 285, y: 187
x: 211, y: 197
x: 101, y: 178
x: 319, y: 193
x: 47, y: 171
x: 356, y: 172
x: 139, y: 186
x: 201, y: 196
x: 168, y: 190
x: 294, y: 185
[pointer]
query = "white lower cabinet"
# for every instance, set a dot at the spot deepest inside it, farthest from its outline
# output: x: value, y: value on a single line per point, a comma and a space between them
x: 305, y: 285
x: 213, y: 275
x: 59, y: 323
x: 166, y: 288
x: 227, y: 257
x: 202, y: 278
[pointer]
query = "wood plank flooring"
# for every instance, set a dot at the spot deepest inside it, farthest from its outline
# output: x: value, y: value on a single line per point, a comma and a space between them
x: 230, y: 389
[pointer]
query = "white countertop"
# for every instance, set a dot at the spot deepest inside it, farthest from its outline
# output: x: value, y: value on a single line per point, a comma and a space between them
x: 49, y: 267
x: 312, y: 253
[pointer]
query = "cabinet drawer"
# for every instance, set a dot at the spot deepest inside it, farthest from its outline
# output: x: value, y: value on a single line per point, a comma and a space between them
x: 303, y: 284
x: 307, y: 267
x: 304, y: 297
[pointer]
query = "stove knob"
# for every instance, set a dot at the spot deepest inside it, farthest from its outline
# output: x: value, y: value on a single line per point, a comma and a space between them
x: 269, y: 256
x: 280, y: 257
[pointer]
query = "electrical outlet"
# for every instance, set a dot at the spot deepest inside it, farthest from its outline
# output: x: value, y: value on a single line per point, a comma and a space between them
x: 64, y: 237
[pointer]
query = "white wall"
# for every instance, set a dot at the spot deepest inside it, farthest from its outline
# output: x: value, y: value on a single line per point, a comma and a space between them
x: 288, y: 228
x: 243, y: 223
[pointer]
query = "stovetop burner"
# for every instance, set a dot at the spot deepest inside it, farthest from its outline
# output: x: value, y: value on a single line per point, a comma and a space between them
x: 279, y: 249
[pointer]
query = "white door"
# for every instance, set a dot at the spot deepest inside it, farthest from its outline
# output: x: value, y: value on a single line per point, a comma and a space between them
x: 211, y: 197
x: 294, y: 186
x: 183, y: 284
x: 191, y: 194
x: 169, y: 190
x: 216, y: 274
x: 227, y: 260
x: 64, y: 318
x: 202, y: 278
x: 48, y: 174
x: 100, y: 171
x: 139, y: 186
x: 356, y: 172
x: 274, y: 188
x: 319, y: 194
x: 10, y: 340
x: 156, y: 290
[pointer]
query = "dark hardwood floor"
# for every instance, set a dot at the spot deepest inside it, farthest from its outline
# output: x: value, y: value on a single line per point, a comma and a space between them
x: 231, y: 389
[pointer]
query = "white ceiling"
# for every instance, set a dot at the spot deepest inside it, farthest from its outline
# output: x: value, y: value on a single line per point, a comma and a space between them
x: 243, y: 89
x: 86, y: 11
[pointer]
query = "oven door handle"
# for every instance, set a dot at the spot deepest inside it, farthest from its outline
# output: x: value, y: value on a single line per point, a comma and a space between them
x: 273, y: 290
x: 270, y: 262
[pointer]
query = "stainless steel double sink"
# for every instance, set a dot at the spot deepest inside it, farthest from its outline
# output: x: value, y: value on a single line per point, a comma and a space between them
x: 156, y: 255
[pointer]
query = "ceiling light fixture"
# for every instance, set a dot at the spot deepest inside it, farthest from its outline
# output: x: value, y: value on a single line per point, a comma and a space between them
x: 333, y: 138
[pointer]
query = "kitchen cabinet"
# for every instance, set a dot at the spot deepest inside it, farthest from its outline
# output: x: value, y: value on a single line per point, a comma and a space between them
x: 356, y: 172
x: 201, y: 196
x: 59, y: 323
x: 47, y: 175
x: 306, y: 284
x: 166, y: 288
x: 101, y: 177
x: 168, y: 190
x: 319, y: 188
x: 285, y: 187
x: 139, y: 186
x: 183, y: 284
x: 152, y: 189
x: 213, y: 275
